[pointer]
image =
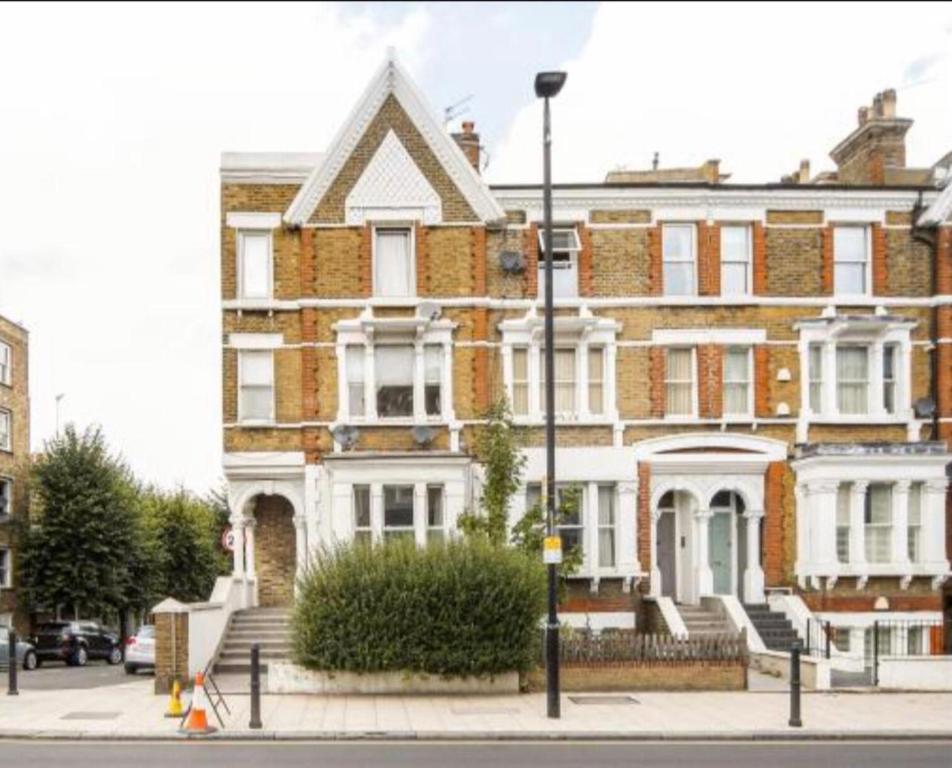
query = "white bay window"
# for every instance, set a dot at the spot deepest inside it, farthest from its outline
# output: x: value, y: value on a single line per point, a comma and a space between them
x: 877, y: 519
x: 852, y: 379
x: 565, y: 381
x: 393, y: 372
x: 520, y: 381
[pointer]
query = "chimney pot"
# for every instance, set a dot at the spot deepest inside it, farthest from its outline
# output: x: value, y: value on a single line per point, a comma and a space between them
x: 804, y: 175
x: 468, y: 126
x: 862, y: 116
x: 878, y: 105
x: 889, y: 103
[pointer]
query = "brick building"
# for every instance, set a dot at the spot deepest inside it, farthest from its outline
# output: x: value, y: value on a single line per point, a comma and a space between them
x: 14, y: 458
x: 754, y: 381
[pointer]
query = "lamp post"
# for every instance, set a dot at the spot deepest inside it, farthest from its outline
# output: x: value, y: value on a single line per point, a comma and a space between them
x: 548, y: 85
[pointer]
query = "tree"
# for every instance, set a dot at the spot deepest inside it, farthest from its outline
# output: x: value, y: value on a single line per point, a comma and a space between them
x: 83, y: 551
x: 528, y: 534
x: 217, y: 501
x: 183, y: 531
x: 499, y: 449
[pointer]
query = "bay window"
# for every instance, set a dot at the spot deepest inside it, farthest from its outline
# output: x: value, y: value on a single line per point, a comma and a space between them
x: 254, y: 264
x: 679, y: 382
x: 432, y: 379
x: 255, y: 385
x: 355, y: 357
x: 393, y: 371
x: 394, y: 274
x: 852, y: 379
x: 737, y: 382
x: 735, y: 260
x: 565, y: 380
x: 843, y: 523
x: 398, y: 511
x: 678, y: 253
x: 890, y: 355
x: 850, y: 260
x: 569, y: 503
x: 877, y: 520
x: 816, y: 377
x: 596, y: 381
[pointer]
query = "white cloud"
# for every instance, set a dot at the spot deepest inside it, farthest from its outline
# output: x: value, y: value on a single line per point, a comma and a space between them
x: 758, y: 85
x: 114, y: 118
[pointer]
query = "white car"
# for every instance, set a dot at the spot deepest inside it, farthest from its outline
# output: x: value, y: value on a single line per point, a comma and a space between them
x: 140, y: 650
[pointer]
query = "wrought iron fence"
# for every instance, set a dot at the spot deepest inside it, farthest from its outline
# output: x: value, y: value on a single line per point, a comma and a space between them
x: 622, y: 646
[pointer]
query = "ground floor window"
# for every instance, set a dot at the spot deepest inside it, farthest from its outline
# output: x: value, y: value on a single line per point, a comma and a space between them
x: 397, y: 511
x: 435, y: 516
x: 362, y: 527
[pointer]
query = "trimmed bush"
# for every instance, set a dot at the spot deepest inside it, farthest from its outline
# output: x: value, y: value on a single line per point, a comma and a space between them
x: 466, y: 608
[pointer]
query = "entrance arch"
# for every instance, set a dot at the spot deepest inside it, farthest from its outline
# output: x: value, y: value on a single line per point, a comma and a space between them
x: 274, y: 549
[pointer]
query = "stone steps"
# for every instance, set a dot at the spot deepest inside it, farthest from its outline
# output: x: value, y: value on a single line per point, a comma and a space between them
x: 269, y: 627
x: 773, y: 627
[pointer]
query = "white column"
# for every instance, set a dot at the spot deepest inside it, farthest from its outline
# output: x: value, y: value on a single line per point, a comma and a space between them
x: 626, y: 528
x: 454, y: 499
x: 655, y: 569
x: 238, y: 553
x: 875, y: 377
x: 900, y: 522
x: 858, y: 526
x: 705, y: 576
x: 370, y: 396
x: 419, y: 514
x: 300, y: 547
x: 250, y: 524
x: 754, y: 574
x: 343, y: 392
x: 313, y: 503
x: 581, y: 380
x: 610, y: 404
x: 932, y: 535
x: 823, y: 528
x: 829, y: 405
x: 419, y: 372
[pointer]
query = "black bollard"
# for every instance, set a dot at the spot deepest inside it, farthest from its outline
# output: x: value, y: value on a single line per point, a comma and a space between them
x: 255, y: 721
x: 795, y: 721
x: 12, y: 689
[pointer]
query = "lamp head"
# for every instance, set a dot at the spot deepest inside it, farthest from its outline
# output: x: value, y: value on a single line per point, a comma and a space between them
x: 548, y: 84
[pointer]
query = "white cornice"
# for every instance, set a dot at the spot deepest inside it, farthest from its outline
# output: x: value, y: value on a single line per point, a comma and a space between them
x: 941, y: 209
x: 391, y: 79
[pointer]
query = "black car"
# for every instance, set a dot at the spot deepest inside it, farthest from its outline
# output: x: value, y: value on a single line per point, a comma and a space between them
x: 76, y: 642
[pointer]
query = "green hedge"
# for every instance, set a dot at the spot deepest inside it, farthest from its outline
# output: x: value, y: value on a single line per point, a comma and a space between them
x: 466, y: 608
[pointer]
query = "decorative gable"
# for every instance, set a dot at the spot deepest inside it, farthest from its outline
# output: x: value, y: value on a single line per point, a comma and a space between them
x: 392, y: 187
x: 393, y: 104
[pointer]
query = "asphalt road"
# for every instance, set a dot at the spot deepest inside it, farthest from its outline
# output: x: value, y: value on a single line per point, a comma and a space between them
x: 53, y: 675
x: 471, y: 755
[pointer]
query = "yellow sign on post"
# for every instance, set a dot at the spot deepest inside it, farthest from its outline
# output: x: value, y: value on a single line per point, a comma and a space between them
x: 552, y: 550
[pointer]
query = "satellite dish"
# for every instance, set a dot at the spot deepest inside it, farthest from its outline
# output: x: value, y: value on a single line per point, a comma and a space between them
x: 512, y: 262
x: 423, y: 435
x: 346, y: 436
x: 429, y: 310
x: 924, y: 407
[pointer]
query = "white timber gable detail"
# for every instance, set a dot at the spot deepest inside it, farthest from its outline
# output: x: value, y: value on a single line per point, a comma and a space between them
x: 391, y: 188
x: 392, y: 80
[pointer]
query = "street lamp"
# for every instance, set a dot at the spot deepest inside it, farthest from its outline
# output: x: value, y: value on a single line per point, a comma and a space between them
x: 547, y: 86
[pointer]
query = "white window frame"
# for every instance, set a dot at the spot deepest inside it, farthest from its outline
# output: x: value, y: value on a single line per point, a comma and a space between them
x: 410, y: 231
x: 241, y: 235
x: 748, y: 411
x: 525, y: 383
x: 815, y: 378
x: 914, y: 547
x: 864, y: 383
x: 6, y: 556
x: 398, y: 530
x: 6, y: 364
x: 891, y: 384
x: 868, y: 264
x: 241, y: 385
x: 692, y: 228
x: 571, y: 247
x: 6, y: 497
x: 694, y: 384
x: 746, y: 261
x: 362, y: 532
x: 578, y: 332
x: 6, y: 435
x: 598, y: 383
x: 573, y: 352
x: 438, y: 532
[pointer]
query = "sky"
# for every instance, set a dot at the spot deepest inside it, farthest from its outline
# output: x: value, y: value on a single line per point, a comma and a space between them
x: 113, y: 118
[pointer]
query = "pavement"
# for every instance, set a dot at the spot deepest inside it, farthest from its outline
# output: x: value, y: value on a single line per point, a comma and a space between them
x: 468, y: 755
x: 130, y: 711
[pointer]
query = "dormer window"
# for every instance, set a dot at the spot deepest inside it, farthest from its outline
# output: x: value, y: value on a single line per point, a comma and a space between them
x: 565, y: 249
x: 394, y: 274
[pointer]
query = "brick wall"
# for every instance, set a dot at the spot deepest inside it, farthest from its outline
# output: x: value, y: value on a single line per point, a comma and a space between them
x: 706, y: 675
x: 171, y: 651
x: 274, y: 550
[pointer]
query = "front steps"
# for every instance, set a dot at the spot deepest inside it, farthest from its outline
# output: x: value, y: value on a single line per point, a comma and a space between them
x: 702, y: 622
x: 269, y: 627
x: 773, y: 627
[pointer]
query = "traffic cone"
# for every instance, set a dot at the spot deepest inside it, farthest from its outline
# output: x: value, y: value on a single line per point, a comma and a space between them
x: 175, y: 701
x: 197, y: 722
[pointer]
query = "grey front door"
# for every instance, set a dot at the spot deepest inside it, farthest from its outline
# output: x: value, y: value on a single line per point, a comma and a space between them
x: 719, y: 539
x: 667, y: 554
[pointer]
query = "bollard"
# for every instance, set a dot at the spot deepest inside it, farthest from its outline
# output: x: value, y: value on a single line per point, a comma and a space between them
x: 795, y: 721
x: 12, y: 689
x: 875, y: 653
x: 255, y: 721
x: 829, y: 639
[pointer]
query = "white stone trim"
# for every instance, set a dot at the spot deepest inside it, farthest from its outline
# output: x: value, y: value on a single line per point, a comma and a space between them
x: 940, y: 209
x: 256, y: 340
x: 733, y: 337
x: 392, y: 79
x: 653, y: 448
x: 252, y: 220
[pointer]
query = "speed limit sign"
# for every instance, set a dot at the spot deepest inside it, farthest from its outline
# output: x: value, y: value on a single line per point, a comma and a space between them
x: 228, y: 540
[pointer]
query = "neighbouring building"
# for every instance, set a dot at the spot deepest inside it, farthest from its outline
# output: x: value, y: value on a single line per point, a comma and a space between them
x: 14, y: 460
x: 753, y: 381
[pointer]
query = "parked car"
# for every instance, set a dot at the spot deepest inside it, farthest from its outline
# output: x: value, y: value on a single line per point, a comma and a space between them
x: 140, y: 650
x: 26, y: 653
x: 76, y: 642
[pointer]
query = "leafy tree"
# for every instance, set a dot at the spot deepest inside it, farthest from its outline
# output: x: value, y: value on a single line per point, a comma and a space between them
x: 83, y: 551
x: 217, y: 501
x: 183, y: 532
x: 528, y: 534
x: 499, y: 449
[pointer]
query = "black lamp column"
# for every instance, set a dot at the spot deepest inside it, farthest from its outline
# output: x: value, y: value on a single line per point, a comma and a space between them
x: 547, y: 85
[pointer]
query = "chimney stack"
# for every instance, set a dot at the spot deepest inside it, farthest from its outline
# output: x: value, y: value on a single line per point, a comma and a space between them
x: 803, y: 176
x: 468, y: 141
x: 876, y: 146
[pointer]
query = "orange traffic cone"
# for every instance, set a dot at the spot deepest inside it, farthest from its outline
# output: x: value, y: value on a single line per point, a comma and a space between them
x: 197, y: 722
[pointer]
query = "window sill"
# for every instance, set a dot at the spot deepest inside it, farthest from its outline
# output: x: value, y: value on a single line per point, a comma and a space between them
x: 566, y: 421
x: 854, y: 419
x: 396, y: 421
x: 255, y: 423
